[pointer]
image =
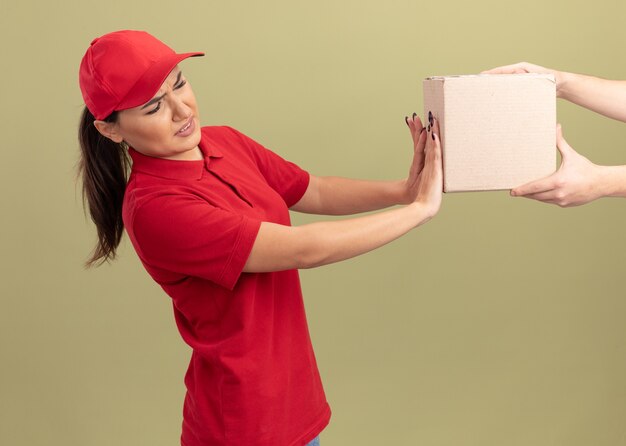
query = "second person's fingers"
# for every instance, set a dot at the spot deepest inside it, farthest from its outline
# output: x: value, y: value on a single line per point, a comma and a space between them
x: 534, y: 187
x: 544, y: 197
x: 564, y: 148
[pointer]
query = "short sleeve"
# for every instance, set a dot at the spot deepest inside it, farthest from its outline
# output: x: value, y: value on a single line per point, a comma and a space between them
x: 186, y: 235
x: 286, y: 178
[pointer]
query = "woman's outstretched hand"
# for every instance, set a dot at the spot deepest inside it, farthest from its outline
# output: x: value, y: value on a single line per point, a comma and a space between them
x: 425, y: 181
x: 577, y: 181
x: 279, y: 247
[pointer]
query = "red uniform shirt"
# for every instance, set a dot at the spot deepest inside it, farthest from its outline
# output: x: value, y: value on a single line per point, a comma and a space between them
x: 252, y: 379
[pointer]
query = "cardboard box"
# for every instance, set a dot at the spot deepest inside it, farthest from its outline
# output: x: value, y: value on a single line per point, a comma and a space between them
x: 498, y: 131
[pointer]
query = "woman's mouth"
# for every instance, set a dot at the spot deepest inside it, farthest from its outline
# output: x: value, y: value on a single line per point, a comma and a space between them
x: 188, y: 128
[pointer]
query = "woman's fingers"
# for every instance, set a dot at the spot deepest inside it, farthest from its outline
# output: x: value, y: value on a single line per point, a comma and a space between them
x: 432, y: 139
x: 434, y: 128
x: 418, y: 155
x: 432, y: 174
x: 418, y: 134
x: 433, y: 153
x: 415, y: 126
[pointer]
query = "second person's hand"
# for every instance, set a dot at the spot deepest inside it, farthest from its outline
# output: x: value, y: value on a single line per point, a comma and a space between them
x: 525, y: 67
x: 577, y: 181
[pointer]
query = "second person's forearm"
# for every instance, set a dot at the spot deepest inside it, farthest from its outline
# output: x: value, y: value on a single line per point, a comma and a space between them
x: 613, y: 181
x: 604, y: 96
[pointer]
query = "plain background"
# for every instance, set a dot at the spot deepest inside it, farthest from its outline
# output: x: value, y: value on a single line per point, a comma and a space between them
x: 499, y: 322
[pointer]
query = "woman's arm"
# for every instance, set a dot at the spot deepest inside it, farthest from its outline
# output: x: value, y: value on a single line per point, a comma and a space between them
x: 279, y: 247
x: 344, y: 196
x: 607, y: 97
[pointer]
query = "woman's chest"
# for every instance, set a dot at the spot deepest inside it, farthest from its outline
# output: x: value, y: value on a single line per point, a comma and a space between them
x: 243, y: 191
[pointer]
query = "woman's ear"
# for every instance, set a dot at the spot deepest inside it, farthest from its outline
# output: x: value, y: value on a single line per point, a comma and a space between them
x: 109, y: 129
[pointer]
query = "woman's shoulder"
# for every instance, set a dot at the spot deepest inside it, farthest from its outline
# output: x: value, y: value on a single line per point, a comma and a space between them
x: 221, y: 132
x: 227, y: 139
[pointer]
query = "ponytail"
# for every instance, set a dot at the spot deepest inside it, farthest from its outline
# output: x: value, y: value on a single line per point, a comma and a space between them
x: 103, y: 167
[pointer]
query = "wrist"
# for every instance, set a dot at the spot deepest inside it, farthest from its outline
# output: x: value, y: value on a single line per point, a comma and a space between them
x: 420, y: 212
x: 402, y: 192
x: 612, y: 180
x: 563, y: 81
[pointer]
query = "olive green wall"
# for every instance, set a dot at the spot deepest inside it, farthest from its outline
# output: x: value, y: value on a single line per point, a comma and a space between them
x: 500, y: 322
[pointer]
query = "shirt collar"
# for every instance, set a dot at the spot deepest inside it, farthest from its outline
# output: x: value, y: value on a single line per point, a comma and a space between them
x: 174, y: 169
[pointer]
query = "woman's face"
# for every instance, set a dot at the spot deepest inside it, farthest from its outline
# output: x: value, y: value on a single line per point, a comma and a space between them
x: 167, y: 126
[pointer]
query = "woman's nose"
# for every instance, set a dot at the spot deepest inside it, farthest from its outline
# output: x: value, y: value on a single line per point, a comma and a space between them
x: 180, y: 110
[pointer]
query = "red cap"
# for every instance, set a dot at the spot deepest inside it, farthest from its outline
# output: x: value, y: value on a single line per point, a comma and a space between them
x: 124, y: 69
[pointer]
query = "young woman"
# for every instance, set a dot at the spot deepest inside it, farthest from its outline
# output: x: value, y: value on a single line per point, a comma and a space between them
x: 207, y: 211
x: 578, y: 180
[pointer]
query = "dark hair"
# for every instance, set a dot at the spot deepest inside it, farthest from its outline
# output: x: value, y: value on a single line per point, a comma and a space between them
x: 103, y: 168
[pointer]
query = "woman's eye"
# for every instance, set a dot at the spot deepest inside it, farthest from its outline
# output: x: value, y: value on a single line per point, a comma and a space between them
x: 155, y: 109
x: 181, y: 85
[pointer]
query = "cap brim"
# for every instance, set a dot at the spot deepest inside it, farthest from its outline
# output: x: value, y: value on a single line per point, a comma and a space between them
x: 148, y: 85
